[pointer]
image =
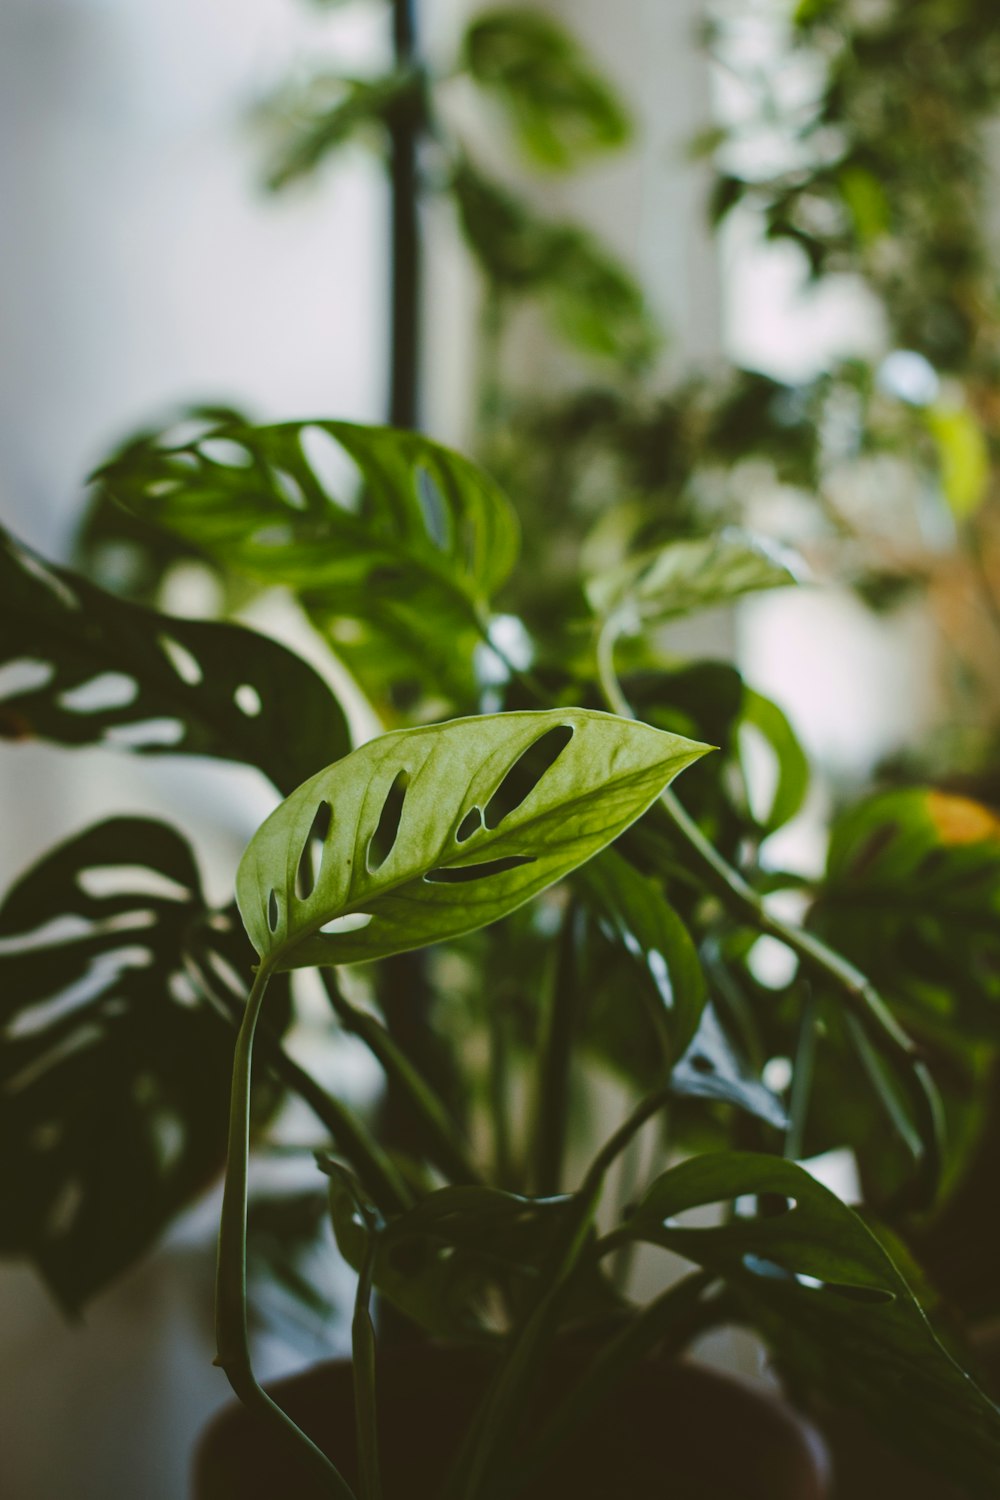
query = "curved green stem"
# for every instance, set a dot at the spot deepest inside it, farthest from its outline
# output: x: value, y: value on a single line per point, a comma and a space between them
x: 231, y: 1281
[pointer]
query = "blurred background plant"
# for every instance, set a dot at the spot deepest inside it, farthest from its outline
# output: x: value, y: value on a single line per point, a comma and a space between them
x: 855, y: 138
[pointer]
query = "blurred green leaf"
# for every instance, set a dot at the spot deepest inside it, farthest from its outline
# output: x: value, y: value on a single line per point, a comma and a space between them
x: 314, y: 121
x: 690, y: 575
x: 114, y: 1070
x: 964, y: 458
x: 791, y: 781
x: 819, y: 1286
x: 906, y: 873
x: 588, y: 295
x: 80, y: 667
x: 430, y: 833
x: 559, y: 107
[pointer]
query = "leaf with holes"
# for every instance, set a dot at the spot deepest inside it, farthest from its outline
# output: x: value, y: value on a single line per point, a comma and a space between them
x: 713, y: 1068
x: 428, y: 833
x: 821, y: 1288
x: 390, y: 540
x: 114, y: 1067
x: 80, y: 667
x: 662, y: 959
x: 689, y: 575
x: 559, y: 108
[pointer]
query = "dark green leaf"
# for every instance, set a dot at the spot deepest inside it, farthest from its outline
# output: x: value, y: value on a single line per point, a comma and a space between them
x: 662, y: 956
x: 559, y: 107
x: 791, y: 782
x: 821, y: 1288
x: 114, y: 1069
x: 429, y: 833
x: 80, y: 667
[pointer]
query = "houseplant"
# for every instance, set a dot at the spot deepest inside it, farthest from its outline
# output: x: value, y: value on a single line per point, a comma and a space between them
x: 640, y: 965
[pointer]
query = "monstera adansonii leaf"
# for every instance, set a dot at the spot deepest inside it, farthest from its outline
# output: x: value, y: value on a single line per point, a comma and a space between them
x: 80, y: 667
x: 114, y: 1067
x: 393, y: 543
x: 425, y: 834
x: 813, y: 1278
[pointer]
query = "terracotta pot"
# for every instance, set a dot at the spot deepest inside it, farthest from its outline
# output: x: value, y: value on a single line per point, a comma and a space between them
x: 670, y: 1431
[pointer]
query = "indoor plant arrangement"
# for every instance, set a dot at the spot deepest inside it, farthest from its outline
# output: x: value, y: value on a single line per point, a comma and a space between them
x: 554, y: 959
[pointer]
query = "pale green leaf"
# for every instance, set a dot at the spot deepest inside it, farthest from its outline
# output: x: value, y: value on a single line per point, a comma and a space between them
x: 692, y: 574
x: 964, y: 457
x: 428, y: 833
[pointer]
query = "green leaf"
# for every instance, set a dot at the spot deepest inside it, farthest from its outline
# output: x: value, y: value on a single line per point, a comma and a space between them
x: 114, y: 1070
x: 377, y: 530
x: 558, y: 106
x: 439, y: 1262
x: 690, y: 575
x: 661, y: 954
x: 589, y: 296
x: 314, y: 121
x: 820, y: 1287
x: 912, y: 894
x: 80, y: 667
x: 964, y: 458
x: 429, y: 833
x: 792, y: 779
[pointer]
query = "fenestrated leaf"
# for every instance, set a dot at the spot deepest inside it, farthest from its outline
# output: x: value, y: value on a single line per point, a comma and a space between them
x: 692, y: 574
x: 114, y: 1068
x: 409, y: 550
x: 822, y: 1289
x: 436, y: 831
x: 661, y: 954
x: 80, y: 667
x: 906, y: 872
x: 558, y: 105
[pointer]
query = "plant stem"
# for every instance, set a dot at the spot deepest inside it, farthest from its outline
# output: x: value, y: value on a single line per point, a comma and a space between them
x: 556, y: 1055
x: 350, y: 1136
x: 363, y: 1369
x: 405, y: 235
x: 231, y: 1282
x: 445, y: 1142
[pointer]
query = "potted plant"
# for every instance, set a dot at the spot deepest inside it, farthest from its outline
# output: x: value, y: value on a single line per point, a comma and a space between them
x: 505, y: 1224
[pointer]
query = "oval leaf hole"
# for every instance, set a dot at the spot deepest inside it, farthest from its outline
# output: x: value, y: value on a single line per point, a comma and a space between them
x: 770, y: 1270
x: 353, y: 922
x: 432, y: 507
x: 312, y: 853
x: 470, y: 824
x: 184, y: 664
x: 226, y: 453
x: 712, y: 1215
x: 460, y: 874
x: 525, y: 774
x: 332, y: 467
x: 272, y: 912
x: 247, y: 700
x: 382, y: 840
x: 105, y: 691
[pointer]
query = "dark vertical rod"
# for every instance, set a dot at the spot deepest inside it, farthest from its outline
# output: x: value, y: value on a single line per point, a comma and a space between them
x: 404, y: 267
